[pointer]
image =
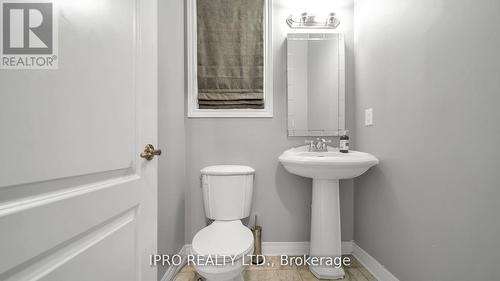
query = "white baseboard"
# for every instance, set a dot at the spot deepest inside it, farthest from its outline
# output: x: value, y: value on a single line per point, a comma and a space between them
x: 287, y: 248
x: 302, y: 248
x: 172, y: 270
x: 347, y: 247
x: 372, y: 265
x: 296, y: 248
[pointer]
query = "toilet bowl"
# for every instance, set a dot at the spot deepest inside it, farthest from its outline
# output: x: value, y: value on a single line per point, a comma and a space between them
x: 222, y: 248
x: 228, y: 244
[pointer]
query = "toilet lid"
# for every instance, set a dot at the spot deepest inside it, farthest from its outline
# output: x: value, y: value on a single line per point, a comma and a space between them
x: 223, y: 238
x: 227, y: 170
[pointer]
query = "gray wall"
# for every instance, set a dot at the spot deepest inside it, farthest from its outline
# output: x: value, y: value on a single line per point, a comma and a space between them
x: 431, y: 71
x: 172, y: 175
x: 281, y: 200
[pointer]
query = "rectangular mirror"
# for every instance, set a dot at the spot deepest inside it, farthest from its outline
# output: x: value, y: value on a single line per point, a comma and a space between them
x: 316, y: 84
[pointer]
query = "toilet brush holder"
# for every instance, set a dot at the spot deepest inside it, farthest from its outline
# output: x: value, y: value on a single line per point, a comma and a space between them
x: 257, y: 245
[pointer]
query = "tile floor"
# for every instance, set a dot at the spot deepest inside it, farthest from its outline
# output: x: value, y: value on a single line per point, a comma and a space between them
x: 273, y: 271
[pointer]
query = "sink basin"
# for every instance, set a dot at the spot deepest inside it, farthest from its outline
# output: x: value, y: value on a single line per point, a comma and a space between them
x: 326, y: 165
x: 326, y: 169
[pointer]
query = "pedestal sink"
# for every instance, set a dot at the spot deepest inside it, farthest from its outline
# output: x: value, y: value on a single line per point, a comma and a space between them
x: 326, y: 169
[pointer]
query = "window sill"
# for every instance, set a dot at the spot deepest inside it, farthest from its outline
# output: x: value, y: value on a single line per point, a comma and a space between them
x: 230, y: 113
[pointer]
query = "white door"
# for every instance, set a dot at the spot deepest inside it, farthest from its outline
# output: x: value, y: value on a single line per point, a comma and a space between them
x: 76, y: 200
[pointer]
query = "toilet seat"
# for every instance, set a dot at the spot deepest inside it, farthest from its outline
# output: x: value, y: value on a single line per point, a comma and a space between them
x: 223, y: 238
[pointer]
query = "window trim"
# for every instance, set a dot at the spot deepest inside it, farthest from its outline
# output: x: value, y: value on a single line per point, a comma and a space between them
x: 192, y: 77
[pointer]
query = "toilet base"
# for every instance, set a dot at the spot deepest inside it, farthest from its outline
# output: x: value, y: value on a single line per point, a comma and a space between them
x: 222, y: 273
x: 237, y: 278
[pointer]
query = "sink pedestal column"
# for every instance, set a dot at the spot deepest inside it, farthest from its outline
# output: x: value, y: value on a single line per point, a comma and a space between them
x: 325, y: 227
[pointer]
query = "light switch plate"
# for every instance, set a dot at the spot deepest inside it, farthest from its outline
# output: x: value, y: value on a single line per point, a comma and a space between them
x: 369, y: 117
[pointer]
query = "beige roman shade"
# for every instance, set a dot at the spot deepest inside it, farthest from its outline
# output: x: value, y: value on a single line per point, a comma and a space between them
x: 230, y: 43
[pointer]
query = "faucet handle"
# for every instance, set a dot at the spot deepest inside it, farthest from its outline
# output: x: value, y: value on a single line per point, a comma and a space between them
x: 310, y: 145
x: 324, y: 144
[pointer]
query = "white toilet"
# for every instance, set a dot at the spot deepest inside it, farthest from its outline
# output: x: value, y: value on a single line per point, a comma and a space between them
x: 227, y: 196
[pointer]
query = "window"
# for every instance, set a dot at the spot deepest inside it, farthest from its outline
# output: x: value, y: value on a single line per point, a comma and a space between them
x: 229, y: 65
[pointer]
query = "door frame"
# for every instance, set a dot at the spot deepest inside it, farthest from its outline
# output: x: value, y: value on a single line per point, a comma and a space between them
x: 146, y: 28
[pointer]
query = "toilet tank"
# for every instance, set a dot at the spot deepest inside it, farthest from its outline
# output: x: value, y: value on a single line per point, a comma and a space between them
x: 227, y: 191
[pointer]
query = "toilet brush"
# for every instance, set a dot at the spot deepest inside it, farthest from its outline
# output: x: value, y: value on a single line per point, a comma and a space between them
x: 257, y: 243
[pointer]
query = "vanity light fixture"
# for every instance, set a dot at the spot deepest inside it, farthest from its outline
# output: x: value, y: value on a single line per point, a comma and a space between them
x: 307, y: 20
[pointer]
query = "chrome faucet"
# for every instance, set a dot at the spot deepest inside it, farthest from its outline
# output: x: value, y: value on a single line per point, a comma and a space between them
x: 320, y: 145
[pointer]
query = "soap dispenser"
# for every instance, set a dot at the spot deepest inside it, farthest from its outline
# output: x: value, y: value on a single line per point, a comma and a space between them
x: 344, y: 142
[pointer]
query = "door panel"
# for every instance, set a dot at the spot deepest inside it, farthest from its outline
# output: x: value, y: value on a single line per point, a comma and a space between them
x: 76, y: 258
x: 119, y: 264
x: 75, y: 120
x: 45, y: 222
x: 76, y: 200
